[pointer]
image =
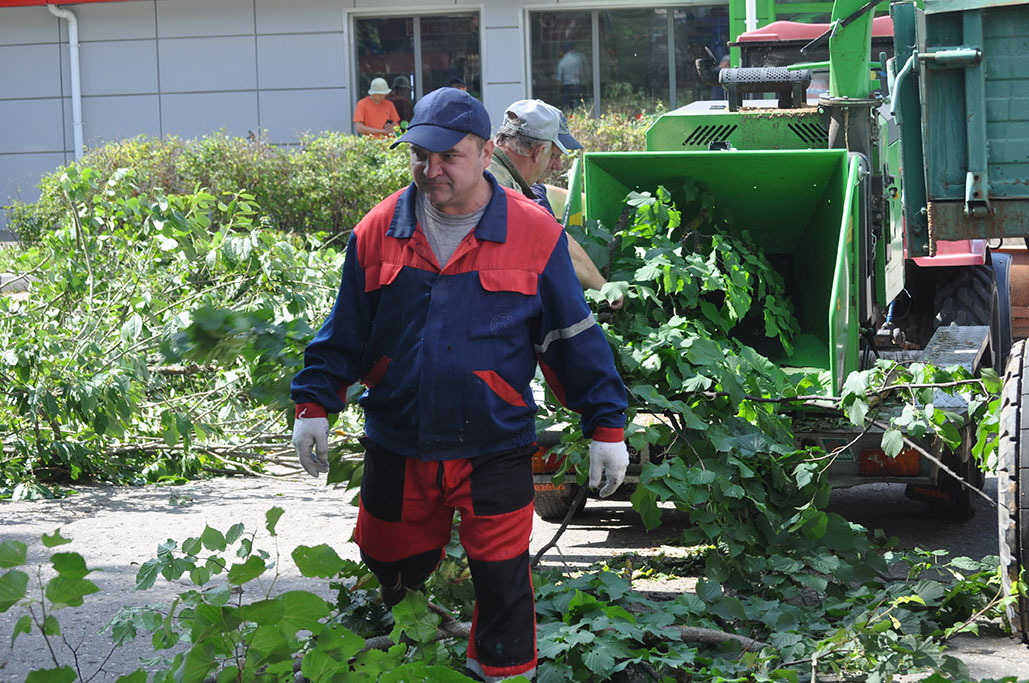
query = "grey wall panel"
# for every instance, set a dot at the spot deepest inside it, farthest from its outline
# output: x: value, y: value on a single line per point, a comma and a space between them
x: 115, y: 68
x: 301, y: 61
x: 364, y: 5
x: 113, y: 21
x: 105, y: 119
x: 22, y: 25
x: 30, y: 71
x: 496, y: 97
x: 193, y: 115
x: 503, y: 54
x: 203, y: 64
x: 204, y: 18
x: 20, y: 175
x: 501, y: 13
x: 285, y: 114
x: 299, y: 16
x: 31, y: 126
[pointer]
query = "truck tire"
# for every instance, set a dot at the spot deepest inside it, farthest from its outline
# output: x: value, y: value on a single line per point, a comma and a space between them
x: 961, y: 501
x: 1013, y: 486
x: 552, y: 501
x: 968, y: 296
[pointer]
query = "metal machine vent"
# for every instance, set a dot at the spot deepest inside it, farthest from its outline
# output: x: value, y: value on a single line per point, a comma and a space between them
x: 811, y: 133
x: 705, y: 135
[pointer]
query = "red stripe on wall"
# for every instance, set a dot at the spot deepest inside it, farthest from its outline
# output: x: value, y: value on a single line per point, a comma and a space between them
x: 31, y: 3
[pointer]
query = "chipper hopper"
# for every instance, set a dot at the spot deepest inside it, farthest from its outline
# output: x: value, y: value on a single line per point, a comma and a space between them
x: 799, y: 206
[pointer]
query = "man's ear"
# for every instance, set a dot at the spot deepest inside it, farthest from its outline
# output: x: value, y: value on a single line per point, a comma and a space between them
x: 487, y: 154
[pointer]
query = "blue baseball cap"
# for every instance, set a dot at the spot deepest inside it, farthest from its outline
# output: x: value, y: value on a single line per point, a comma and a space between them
x: 443, y: 117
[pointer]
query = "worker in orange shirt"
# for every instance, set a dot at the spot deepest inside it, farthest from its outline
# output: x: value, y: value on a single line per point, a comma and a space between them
x: 375, y: 115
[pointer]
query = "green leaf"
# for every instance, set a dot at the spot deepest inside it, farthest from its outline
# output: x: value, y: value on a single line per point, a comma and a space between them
x: 263, y: 611
x: 272, y: 518
x: 234, y: 533
x: 64, y: 674
x: 23, y: 625
x: 644, y: 500
x: 137, y: 676
x: 51, y: 626
x: 892, y: 442
x: 55, y: 539
x: 12, y: 588
x: 708, y: 591
x: 247, y: 571
x: 69, y: 565
x: 815, y: 527
x: 192, y: 546
x: 318, y: 665
x: 131, y: 329
x: 412, y: 617
x: 319, y: 561
x: 303, y: 611
x: 213, y: 539
x: 857, y: 412
x: 599, y: 661
x: 12, y: 554
x: 66, y: 592
x: 148, y: 573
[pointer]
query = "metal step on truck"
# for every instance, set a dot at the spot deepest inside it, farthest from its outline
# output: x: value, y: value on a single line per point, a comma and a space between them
x: 881, y: 201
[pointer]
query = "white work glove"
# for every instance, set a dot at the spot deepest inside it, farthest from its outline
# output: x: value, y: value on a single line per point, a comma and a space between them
x: 608, y: 460
x: 311, y: 439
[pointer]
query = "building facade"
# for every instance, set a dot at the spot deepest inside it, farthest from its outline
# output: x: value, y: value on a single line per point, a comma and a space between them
x: 84, y: 73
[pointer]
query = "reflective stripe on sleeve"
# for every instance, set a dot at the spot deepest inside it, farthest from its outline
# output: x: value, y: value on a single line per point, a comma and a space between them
x: 566, y: 333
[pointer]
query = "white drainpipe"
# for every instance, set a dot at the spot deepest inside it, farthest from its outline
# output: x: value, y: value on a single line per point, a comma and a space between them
x: 750, y: 21
x: 76, y: 84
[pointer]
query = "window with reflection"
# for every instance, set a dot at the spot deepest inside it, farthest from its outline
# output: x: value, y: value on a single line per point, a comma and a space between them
x: 418, y: 54
x: 635, y: 58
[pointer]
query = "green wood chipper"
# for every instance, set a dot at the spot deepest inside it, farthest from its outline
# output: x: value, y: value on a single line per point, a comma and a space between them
x: 881, y: 177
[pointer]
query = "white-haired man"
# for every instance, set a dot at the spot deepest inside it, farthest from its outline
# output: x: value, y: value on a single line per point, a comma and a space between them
x: 531, y: 141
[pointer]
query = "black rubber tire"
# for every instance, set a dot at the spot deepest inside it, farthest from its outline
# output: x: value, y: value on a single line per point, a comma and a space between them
x: 968, y: 296
x: 1013, y: 485
x: 962, y: 503
x: 552, y: 503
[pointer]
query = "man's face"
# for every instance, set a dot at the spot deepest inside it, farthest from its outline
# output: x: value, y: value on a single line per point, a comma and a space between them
x: 377, y: 98
x: 544, y: 161
x: 452, y: 181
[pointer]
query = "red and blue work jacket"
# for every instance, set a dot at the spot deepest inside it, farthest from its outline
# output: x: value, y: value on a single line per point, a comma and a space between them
x: 447, y: 355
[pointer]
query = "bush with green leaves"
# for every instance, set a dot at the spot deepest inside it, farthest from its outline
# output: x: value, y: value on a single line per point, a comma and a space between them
x: 326, y: 183
x: 230, y: 624
x: 106, y: 366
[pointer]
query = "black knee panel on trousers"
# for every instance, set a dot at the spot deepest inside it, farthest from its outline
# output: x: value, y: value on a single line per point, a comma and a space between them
x: 397, y: 577
x: 505, y: 630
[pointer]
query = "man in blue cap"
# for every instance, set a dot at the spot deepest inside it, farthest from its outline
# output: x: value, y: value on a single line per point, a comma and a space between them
x: 453, y: 290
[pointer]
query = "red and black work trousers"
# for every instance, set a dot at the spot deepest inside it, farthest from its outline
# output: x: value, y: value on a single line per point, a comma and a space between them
x: 407, y: 509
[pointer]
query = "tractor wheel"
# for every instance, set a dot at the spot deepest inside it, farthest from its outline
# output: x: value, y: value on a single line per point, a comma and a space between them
x: 552, y: 500
x: 968, y: 296
x: 961, y: 501
x: 1013, y: 485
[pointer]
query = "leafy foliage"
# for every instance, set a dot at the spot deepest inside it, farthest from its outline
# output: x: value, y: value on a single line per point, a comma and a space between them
x: 165, y: 327
x: 231, y: 625
x: 717, y: 418
x: 108, y: 367
x: 325, y: 184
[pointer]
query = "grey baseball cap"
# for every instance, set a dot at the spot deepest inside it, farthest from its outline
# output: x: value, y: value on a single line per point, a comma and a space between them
x: 539, y: 120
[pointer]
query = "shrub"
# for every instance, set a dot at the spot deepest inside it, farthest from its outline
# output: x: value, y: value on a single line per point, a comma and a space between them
x: 326, y: 183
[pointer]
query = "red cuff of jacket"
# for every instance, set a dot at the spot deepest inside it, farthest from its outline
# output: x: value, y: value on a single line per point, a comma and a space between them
x: 311, y: 410
x: 609, y: 434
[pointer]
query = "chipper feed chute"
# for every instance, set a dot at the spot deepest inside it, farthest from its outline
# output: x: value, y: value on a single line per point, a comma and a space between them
x: 799, y: 206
